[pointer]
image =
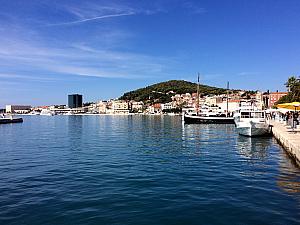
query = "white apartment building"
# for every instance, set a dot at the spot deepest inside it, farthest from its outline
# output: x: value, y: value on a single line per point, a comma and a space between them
x: 120, y: 107
x: 213, y: 100
x: 137, y: 106
x: 233, y: 105
x: 167, y: 106
x: 17, y: 108
x: 259, y: 100
x: 102, y: 107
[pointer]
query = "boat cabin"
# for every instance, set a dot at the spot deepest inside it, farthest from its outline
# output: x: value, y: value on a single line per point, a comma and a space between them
x: 252, y: 114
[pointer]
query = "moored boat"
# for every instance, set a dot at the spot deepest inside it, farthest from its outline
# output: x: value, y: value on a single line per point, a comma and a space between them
x: 5, y: 120
x: 46, y: 112
x: 207, y: 114
x: 252, y: 123
x: 208, y: 119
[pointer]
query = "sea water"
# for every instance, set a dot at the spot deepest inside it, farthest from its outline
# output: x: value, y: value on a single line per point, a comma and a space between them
x: 142, y: 170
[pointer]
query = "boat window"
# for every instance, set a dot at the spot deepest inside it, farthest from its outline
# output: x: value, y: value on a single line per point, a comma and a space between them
x: 257, y: 115
x: 245, y: 115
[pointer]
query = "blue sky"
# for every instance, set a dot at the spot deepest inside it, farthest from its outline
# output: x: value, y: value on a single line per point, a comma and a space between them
x: 51, y: 48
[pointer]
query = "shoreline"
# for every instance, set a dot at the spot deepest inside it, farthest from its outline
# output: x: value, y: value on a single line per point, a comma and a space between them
x: 288, y: 139
x: 86, y: 114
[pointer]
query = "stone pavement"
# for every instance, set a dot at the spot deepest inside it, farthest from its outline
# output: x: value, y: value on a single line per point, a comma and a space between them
x: 290, y: 139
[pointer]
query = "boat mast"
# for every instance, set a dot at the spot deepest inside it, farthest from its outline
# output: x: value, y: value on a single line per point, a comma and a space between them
x: 227, y: 98
x: 198, y: 95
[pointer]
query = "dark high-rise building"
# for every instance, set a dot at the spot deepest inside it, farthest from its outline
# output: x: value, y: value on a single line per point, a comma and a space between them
x: 74, y: 101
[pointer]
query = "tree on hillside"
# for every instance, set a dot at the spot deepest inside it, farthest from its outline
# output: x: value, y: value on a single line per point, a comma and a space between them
x: 293, y: 85
x: 162, y: 92
x: 291, y: 82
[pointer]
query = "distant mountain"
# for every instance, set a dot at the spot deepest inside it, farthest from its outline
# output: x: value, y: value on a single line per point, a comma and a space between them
x: 162, y: 92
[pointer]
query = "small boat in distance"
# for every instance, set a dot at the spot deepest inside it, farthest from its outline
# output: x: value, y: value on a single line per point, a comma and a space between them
x: 47, y: 112
x: 252, y: 123
x: 34, y: 113
x: 5, y: 120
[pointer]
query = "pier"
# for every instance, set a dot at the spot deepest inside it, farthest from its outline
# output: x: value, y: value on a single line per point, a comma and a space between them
x: 288, y: 138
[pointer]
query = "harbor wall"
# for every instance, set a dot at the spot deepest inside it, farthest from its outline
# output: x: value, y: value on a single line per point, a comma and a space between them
x: 289, y: 139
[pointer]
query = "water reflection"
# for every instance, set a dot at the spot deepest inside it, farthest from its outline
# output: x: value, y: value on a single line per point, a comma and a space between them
x: 207, y: 138
x: 289, y: 177
x: 75, y: 131
x: 206, y: 132
x: 253, y: 148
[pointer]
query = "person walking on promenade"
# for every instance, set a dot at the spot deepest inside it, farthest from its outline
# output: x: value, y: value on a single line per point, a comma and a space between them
x: 295, y: 118
x: 287, y: 118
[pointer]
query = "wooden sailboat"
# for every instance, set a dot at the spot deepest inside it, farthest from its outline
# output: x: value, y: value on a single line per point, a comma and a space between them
x: 207, y: 118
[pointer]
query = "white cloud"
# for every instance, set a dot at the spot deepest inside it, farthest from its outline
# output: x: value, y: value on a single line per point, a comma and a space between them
x: 31, y: 49
x: 193, y: 7
x: 22, y: 76
x: 92, y: 19
x: 20, y: 57
x: 248, y: 73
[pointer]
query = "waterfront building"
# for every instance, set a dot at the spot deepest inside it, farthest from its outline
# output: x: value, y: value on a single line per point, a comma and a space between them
x: 186, y: 97
x: 259, y: 100
x: 233, y: 105
x: 194, y: 95
x: 189, y: 104
x: 18, y: 108
x: 102, y: 107
x: 215, y: 100
x: 120, y: 107
x: 167, y: 106
x: 74, y: 101
x: 58, y: 111
x: 56, y: 107
x: 155, y: 108
x: 92, y: 108
x: 136, y: 106
x: 275, y: 96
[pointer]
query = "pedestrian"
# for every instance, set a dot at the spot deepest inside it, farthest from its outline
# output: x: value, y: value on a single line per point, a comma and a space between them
x: 296, y: 115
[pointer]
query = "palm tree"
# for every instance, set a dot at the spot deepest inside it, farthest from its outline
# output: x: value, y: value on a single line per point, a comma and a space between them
x: 292, y: 81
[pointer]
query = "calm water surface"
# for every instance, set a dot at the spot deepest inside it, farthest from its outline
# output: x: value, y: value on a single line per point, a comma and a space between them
x: 142, y: 170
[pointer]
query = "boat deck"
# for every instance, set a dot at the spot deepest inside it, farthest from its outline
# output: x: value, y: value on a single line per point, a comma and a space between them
x: 208, y: 120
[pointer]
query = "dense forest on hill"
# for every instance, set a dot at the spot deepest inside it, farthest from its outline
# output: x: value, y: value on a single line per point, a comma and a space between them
x: 162, y: 92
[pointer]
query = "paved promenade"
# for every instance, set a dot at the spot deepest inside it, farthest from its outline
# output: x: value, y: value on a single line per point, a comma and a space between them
x: 288, y: 138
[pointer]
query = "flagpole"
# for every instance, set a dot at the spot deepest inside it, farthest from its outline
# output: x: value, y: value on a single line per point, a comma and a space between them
x: 227, y: 98
x: 198, y: 95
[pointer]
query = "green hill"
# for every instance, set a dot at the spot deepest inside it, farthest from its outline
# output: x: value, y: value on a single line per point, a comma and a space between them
x: 162, y: 92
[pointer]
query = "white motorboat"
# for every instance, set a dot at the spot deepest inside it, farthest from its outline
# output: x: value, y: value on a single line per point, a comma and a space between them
x: 47, y: 112
x: 34, y: 113
x: 69, y: 113
x: 252, y: 123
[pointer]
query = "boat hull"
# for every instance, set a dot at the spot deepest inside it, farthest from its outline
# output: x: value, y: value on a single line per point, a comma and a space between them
x: 188, y: 119
x: 252, y: 132
x: 253, y: 129
x: 8, y: 120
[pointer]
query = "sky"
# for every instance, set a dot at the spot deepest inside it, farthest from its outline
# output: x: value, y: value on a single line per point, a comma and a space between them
x: 103, y: 48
